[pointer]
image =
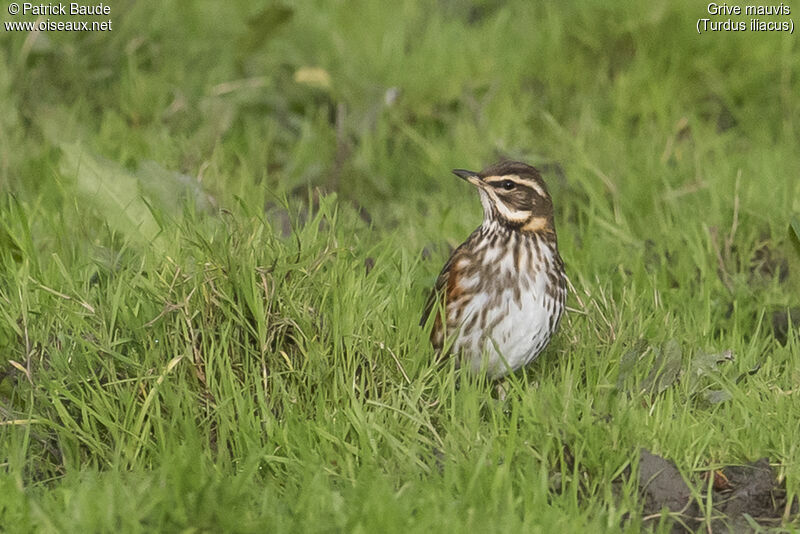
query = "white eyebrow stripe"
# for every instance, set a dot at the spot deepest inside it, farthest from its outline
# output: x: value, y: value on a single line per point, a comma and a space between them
x: 516, y: 179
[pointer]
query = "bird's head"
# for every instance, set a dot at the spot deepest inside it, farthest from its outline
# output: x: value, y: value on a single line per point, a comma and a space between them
x: 514, y: 195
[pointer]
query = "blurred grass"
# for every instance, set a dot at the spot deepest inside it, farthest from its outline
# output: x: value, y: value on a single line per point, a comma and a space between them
x: 239, y: 352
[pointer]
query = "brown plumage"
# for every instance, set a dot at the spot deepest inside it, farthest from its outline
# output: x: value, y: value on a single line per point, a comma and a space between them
x: 503, y: 290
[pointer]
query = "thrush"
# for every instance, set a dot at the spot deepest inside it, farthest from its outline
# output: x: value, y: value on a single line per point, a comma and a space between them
x: 503, y: 290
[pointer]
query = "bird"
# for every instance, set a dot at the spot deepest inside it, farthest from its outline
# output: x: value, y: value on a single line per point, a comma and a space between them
x: 501, y: 295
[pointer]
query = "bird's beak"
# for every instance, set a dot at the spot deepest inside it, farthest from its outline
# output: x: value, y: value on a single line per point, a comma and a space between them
x: 470, y: 176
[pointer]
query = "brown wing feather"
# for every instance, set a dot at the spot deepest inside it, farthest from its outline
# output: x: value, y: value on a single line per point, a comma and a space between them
x: 446, y: 288
x: 438, y: 294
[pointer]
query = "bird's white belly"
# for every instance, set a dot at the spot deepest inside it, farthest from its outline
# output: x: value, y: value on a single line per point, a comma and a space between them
x: 518, y: 329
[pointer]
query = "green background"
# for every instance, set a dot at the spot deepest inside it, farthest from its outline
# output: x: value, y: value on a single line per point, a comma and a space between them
x: 220, y: 220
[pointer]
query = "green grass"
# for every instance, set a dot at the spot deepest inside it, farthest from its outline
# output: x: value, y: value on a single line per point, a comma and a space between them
x: 211, y: 272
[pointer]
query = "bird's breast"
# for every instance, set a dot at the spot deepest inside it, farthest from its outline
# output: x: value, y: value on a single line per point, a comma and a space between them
x: 512, y: 310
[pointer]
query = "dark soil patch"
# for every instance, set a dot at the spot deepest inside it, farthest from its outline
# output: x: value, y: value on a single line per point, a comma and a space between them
x: 662, y: 487
x: 781, y: 319
x: 744, y: 498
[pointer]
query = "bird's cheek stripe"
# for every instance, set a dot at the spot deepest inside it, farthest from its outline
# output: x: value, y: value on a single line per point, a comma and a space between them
x: 512, y: 216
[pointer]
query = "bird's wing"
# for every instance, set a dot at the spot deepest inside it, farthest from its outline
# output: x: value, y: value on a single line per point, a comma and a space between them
x: 442, y: 282
x: 437, y: 292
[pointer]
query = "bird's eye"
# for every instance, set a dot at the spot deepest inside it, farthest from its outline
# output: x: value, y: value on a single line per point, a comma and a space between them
x: 508, y: 185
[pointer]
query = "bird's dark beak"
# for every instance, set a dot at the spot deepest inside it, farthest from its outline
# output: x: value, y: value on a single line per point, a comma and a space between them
x: 470, y: 176
x: 462, y: 173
